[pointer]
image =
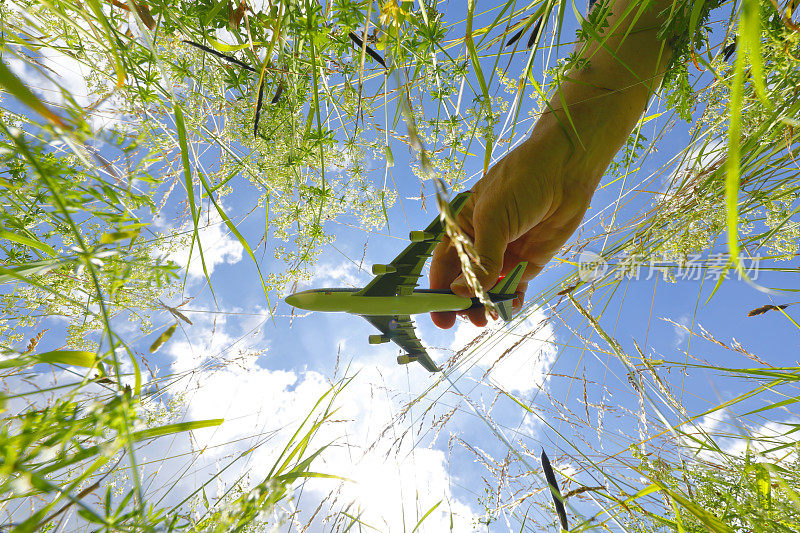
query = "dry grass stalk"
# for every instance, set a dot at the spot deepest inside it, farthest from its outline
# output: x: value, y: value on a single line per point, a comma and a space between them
x: 566, y: 291
x: 35, y: 341
x: 736, y: 346
x: 466, y: 349
x: 659, y: 382
x: 508, y: 351
x: 764, y: 308
x: 460, y: 240
x: 463, y: 246
x: 581, y: 490
x: 586, y: 399
x: 612, y: 342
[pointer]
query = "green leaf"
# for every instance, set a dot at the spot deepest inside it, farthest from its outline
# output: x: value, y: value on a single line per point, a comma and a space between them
x: 421, y: 520
x: 231, y: 48
x: 179, y: 427
x: 697, y: 8
x: 706, y: 517
x: 21, y: 272
x: 114, y: 446
x: 750, y: 37
x: 15, y: 362
x: 24, y: 95
x: 68, y: 357
x: 27, y: 241
x: 164, y: 337
x: 209, y: 16
x: 30, y: 525
x: 114, y: 236
x: 763, y: 485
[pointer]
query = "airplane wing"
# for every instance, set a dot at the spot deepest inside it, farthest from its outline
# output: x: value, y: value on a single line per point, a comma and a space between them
x: 400, y: 330
x: 401, y: 275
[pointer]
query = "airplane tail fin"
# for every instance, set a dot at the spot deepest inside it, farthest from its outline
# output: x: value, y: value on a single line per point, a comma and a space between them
x: 507, y: 287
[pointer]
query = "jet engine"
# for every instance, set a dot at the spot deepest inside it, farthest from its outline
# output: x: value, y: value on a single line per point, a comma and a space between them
x: 405, y: 359
x: 379, y: 339
x: 383, y: 269
x: 420, y: 236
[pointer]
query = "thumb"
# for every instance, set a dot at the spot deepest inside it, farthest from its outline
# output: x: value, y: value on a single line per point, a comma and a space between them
x: 491, y: 239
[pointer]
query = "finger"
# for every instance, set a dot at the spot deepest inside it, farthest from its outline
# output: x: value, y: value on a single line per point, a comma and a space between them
x: 477, y: 316
x: 443, y: 320
x: 491, y: 239
x: 516, y: 305
x: 445, y: 266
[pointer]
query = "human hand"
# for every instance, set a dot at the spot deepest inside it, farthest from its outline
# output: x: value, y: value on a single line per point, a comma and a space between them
x: 524, y: 209
x: 527, y: 206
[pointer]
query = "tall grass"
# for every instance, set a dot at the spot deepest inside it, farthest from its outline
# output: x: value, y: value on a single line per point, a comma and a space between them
x: 183, y: 106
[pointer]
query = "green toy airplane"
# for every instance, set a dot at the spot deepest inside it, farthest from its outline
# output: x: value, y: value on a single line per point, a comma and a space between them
x: 388, y: 300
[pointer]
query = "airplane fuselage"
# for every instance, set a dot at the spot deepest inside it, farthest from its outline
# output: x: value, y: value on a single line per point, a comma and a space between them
x: 419, y: 301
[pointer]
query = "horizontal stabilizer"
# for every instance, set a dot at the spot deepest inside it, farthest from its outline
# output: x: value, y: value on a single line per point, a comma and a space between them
x: 507, y: 287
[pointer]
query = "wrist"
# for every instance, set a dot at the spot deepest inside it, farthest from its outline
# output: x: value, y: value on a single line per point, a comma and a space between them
x: 599, y: 103
x: 584, y: 137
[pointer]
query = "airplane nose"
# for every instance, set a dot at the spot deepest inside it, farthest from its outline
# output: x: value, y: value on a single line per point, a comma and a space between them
x: 293, y: 300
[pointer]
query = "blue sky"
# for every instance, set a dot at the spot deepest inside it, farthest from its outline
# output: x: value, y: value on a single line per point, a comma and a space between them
x: 304, y: 348
x: 407, y: 439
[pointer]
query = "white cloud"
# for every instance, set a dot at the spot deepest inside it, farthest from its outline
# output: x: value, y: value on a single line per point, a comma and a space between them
x: 734, y: 437
x: 219, y: 247
x: 61, y: 75
x: 519, y: 358
x: 345, y: 274
x: 388, y: 480
x: 681, y: 333
x: 393, y: 481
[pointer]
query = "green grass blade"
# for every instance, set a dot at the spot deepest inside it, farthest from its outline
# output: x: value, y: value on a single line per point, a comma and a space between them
x: 750, y: 27
x: 733, y: 161
x: 232, y: 227
x: 783, y: 403
x: 27, y: 241
x: 68, y: 357
x: 19, y: 90
x: 112, y: 43
x: 708, y: 519
x: 179, y: 427
x: 180, y: 125
x: 164, y: 337
x: 421, y: 520
x: 476, y: 65
x: 22, y: 272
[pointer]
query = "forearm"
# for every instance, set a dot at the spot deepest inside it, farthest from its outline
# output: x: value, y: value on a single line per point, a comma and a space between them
x: 605, y: 97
